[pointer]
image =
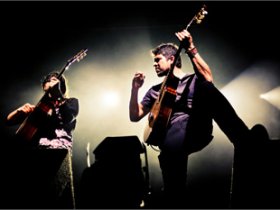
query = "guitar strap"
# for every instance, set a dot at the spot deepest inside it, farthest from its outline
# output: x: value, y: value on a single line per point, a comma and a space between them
x: 184, y: 104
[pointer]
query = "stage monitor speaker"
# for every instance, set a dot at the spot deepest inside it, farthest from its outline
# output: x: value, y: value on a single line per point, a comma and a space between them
x: 116, y: 178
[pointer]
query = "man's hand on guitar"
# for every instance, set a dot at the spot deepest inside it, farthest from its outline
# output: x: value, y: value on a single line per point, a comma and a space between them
x: 138, y: 80
x: 186, y: 39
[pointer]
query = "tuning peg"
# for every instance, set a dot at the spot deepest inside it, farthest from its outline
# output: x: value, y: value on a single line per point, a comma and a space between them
x: 203, y: 10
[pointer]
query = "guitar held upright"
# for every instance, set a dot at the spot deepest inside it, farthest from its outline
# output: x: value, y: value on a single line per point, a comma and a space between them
x: 37, y: 119
x: 161, y: 111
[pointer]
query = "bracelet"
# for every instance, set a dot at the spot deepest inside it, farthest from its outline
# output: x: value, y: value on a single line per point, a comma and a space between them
x: 192, y: 52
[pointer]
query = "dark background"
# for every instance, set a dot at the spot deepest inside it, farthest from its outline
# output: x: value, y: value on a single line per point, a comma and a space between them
x: 32, y: 30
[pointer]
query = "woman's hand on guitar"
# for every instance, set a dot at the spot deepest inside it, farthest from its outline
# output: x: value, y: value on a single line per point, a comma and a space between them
x: 18, y: 115
x: 50, y: 83
x: 26, y: 108
x: 55, y: 92
x: 53, y: 86
x: 138, y: 80
x: 186, y: 39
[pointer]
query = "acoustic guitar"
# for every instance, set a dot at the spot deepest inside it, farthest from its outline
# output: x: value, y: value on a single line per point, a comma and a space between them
x: 160, y: 113
x: 43, y: 110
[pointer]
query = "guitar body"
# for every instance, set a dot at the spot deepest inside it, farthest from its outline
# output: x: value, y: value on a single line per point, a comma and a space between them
x: 160, y: 113
x: 32, y: 125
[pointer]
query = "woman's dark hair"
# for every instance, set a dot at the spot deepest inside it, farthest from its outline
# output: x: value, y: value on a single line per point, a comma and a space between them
x: 167, y: 50
x: 62, y: 80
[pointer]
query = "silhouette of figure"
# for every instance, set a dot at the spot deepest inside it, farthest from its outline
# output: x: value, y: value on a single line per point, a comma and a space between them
x: 255, y: 171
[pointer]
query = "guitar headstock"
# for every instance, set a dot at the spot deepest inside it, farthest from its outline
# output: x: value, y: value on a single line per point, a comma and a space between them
x: 199, y: 16
x: 78, y: 57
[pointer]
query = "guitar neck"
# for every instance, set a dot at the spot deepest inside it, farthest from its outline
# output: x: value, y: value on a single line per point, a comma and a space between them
x: 61, y: 72
x: 197, y: 19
